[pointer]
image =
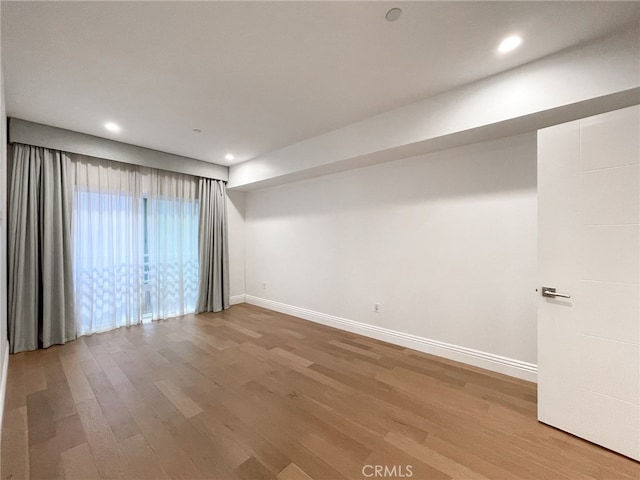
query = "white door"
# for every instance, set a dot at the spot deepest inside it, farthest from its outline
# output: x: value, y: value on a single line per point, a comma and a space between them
x: 589, y: 248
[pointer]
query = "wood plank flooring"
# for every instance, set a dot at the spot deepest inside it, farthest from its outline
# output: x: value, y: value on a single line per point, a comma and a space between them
x: 253, y: 394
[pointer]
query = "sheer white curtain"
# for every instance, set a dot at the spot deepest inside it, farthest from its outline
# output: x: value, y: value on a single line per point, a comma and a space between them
x: 172, y: 243
x: 135, y: 233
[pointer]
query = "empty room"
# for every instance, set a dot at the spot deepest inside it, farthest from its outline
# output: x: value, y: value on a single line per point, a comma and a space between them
x: 321, y: 240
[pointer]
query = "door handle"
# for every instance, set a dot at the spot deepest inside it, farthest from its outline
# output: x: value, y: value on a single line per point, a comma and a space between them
x: 551, y: 293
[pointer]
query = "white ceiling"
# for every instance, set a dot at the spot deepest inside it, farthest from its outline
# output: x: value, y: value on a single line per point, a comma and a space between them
x: 256, y: 76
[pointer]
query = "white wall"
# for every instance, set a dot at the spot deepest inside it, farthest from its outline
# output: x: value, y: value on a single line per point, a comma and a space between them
x: 235, y: 226
x: 445, y: 242
x: 4, y: 345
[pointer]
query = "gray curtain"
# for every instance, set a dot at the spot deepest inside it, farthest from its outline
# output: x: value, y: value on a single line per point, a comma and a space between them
x: 213, y: 251
x: 39, y: 243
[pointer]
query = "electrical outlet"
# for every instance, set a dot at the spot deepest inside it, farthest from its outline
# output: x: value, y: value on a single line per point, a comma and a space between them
x: 376, y: 307
x: 264, y: 286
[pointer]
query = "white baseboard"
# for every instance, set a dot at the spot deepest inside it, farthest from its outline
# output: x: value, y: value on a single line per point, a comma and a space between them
x: 236, y: 299
x: 3, y: 380
x: 477, y: 358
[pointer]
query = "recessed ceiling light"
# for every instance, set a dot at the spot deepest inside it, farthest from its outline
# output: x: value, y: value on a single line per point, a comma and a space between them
x: 229, y: 157
x: 197, y: 130
x: 509, y: 43
x: 112, y: 127
x: 393, y: 14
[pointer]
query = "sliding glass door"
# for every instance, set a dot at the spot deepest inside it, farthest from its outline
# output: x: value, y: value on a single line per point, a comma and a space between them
x: 135, y: 245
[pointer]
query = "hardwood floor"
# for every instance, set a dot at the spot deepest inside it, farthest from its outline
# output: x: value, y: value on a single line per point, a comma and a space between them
x: 254, y: 394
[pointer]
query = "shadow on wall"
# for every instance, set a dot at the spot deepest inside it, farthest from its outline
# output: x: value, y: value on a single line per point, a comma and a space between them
x: 499, y: 166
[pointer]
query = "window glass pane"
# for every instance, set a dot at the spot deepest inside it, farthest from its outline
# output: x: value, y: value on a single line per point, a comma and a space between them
x: 135, y: 255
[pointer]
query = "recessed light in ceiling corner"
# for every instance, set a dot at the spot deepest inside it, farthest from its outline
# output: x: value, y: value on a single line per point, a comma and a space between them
x: 510, y: 43
x: 197, y: 130
x: 393, y: 14
x: 229, y: 157
x: 112, y: 127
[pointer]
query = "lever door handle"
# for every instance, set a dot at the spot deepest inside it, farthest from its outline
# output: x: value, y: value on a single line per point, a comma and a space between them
x: 551, y: 293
